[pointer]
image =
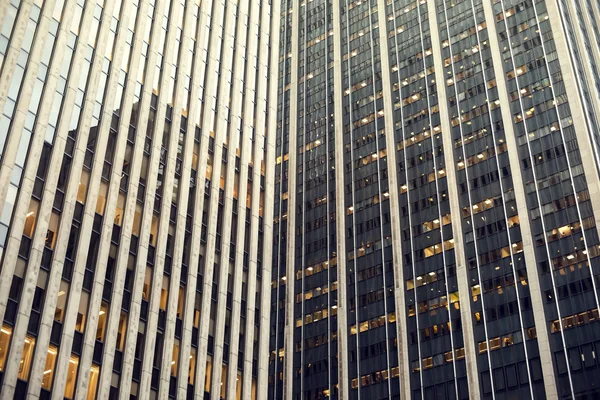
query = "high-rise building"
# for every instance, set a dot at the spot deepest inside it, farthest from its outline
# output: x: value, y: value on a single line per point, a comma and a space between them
x: 299, y: 199
x: 135, y: 143
x: 436, y: 200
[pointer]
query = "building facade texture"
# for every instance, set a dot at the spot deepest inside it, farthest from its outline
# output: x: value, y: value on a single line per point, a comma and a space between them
x: 299, y: 199
x: 436, y: 200
x: 134, y: 146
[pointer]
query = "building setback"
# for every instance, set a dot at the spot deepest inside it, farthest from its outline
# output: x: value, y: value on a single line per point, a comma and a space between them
x: 299, y: 199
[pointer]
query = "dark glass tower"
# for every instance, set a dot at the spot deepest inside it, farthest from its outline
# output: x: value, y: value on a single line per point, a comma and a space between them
x: 436, y: 200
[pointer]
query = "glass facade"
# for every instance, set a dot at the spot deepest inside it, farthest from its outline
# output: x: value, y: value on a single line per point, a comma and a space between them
x: 462, y: 181
x: 299, y: 199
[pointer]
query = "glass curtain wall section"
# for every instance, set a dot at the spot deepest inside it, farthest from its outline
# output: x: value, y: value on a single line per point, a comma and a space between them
x: 124, y: 273
x: 315, y: 267
x: 488, y: 200
x: 435, y: 338
x: 556, y: 180
x: 504, y: 331
x: 372, y: 355
x: 284, y: 208
x: 581, y: 29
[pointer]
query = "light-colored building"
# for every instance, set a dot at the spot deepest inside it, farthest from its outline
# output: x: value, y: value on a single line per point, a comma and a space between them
x: 365, y: 199
x: 135, y: 148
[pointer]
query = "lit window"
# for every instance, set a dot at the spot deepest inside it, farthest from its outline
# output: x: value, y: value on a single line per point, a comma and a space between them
x: 27, y: 358
x: 5, y: 334
x: 49, y: 368
x: 71, y: 377
x: 93, y: 387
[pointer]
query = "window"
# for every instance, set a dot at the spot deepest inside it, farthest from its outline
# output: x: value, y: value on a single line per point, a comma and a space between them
x: 49, y: 368
x: 30, y: 218
x: 154, y: 230
x: 71, y: 376
x: 192, y: 367
x: 223, y: 381
x: 120, y: 210
x: 180, y: 302
x: 164, y: 293
x: 102, y: 319
x: 27, y: 358
x: 82, y: 313
x: 122, y: 331
x: 52, y: 229
x: 5, y: 334
x: 137, y: 220
x: 238, y: 389
x: 147, y: 281
x: 208, y: 374
x: 93, y: 387
x: 61, y: 302
x: 102, y: 193
x: 83, y: 185
x: 175, y: 361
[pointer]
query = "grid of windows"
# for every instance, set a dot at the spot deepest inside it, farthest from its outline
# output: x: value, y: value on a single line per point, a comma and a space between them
x: 135, y: 146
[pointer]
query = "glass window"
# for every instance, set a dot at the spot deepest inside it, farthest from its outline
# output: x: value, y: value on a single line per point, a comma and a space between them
x: 137, y: 220
x: 82, y: 312
x: 175, y: 361
x: 49, y: 368
x: 93, y: 387
x: 71, y: 376
x: 26, y: 359
x: 120, y: 209
x: 164, y: 293
x: 208, y: 374
x: 180, y: 302
x: 223, y: 381
x: 102, y: 193
x: 5, y: 334
x: 122, y: 331
x: 52, y: 229
x: 102, y: 319
x: 83, y: 185
x: 30, y: 218
x: 147, y: 281
x: 154, y: 230
x: 61, y: 301
x: 192, y: 367
x: 238, y: 387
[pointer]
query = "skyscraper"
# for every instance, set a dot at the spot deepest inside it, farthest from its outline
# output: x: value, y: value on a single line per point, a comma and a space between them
x: 135, y: 143
x: 300, y: 199
x: 436, y: 200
